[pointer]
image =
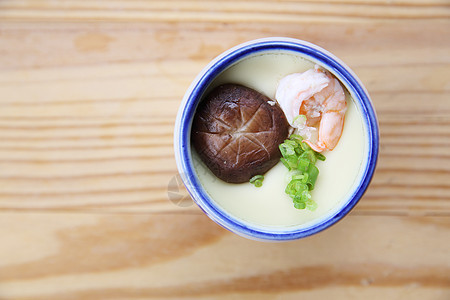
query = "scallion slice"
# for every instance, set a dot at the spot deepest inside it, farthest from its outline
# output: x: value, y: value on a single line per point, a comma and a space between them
x: 257, y: 180
x: 300, y: 160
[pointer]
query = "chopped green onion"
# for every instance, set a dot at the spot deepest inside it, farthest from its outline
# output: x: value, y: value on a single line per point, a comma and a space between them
x: 299, y: 121
x: 313, y: 172
x: 305, y: 146
x: 297, y: 177
x: 287, y: 149
x: 285, y: 163
x: 295, y: 187
x: 303, y: 164
x: 300, y: 160
x: 320, y: 156
x: 257, y: 180
x: 297, y: 138
x: 311, y: 205
x: 300, y: 205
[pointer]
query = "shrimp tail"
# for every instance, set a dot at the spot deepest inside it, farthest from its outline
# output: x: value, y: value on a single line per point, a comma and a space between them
x: 319, y: 147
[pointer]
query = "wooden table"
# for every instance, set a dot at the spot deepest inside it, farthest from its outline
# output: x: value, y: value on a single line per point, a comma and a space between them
x: 89, y: 203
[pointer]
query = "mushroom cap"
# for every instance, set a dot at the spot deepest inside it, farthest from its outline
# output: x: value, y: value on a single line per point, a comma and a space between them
x: 236, y: 132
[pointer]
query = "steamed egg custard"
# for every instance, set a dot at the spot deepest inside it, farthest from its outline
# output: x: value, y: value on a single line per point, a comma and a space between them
x: 269, y: 205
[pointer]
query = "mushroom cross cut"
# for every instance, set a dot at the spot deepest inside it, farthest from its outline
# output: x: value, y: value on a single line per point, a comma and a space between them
x: 236, y: 132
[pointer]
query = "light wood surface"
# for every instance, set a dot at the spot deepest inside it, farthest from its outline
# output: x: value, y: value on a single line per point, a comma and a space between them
x: 90, y: 206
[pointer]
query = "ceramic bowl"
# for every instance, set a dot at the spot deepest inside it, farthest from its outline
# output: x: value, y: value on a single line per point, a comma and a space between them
x: 183, y: 149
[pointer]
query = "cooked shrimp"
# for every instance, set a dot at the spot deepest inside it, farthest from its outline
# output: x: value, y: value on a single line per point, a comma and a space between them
x: 318, y: 96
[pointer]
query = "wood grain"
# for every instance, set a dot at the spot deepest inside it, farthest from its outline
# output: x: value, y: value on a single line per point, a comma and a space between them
x: 91, y: 123
x: 92, y: 256
x: 90, y: 203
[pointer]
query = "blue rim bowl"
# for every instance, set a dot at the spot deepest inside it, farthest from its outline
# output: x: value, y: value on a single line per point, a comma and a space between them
x: 193, y: 96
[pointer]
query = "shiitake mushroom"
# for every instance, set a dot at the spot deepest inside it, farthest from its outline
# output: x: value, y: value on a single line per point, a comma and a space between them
x: 236, y: 132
